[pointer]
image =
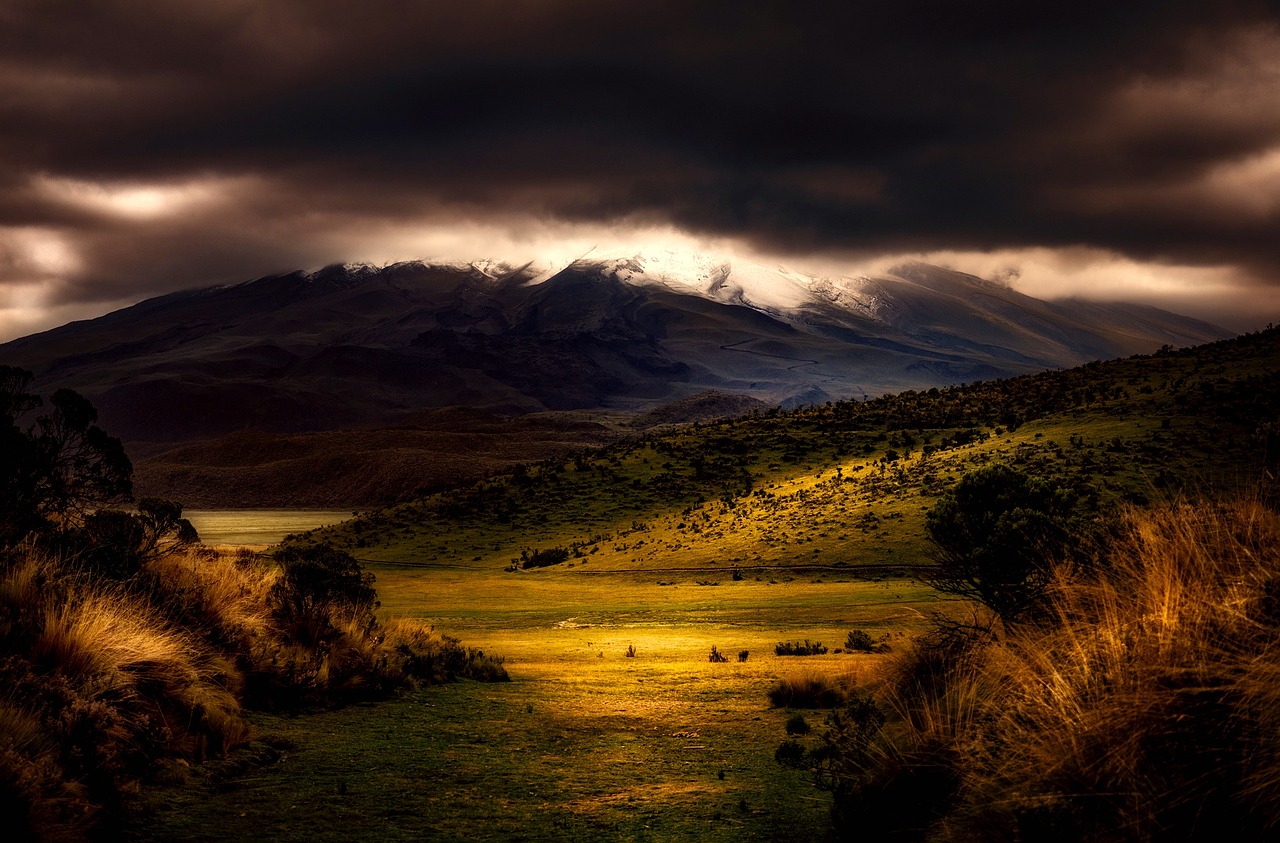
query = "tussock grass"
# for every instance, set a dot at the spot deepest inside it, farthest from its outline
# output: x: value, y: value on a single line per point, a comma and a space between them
x: 1146, y: 707
x: 106, y: 679
x: 1155, y: 694
x: 811, y: 689
x: 224, y: 594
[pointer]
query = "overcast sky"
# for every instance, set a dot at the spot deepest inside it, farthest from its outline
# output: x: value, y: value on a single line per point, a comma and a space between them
x: 1116, y: 150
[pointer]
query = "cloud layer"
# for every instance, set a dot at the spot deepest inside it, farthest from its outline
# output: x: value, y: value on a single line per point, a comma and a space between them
x: 147, y: 145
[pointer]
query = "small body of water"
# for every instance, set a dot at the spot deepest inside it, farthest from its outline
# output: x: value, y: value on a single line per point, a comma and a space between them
x: 259, y: 526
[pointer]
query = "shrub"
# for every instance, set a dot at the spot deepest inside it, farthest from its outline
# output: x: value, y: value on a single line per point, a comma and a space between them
x: 743, y: 654
x: 315, y: 583
x: 998, y: 534
x: 789, y: 753
x: 414, y: 650
x: 860, y: 641
x: 797, y: 725
x: 790, y: 648
x: 631, y: 651
x: 543, y: 558
x: 716, y: 655
x: 811, y: 690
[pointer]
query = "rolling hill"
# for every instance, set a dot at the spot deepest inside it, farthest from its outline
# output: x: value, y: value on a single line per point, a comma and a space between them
x: 846, y: 485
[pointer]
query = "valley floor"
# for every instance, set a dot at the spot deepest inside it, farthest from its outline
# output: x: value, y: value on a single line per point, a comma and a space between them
x: 584, y: 742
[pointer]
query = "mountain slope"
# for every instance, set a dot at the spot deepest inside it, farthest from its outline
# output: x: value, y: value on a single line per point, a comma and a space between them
x: 828, y: 489
x: 358, y: 346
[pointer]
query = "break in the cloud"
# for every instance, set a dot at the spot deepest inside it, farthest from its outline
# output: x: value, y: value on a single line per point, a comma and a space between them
x: 1097, y: 149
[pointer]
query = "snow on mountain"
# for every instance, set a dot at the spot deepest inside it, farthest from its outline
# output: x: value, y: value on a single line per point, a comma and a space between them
x: 358, y: 345
x: 776, y: 290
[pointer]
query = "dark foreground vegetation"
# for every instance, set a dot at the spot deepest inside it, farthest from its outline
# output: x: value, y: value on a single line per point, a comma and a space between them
x: 1119, y: 678
x: 1141, y: 704
x: 126, y: 647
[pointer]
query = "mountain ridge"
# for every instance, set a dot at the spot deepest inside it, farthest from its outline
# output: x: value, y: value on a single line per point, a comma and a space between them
x: 352, y: 346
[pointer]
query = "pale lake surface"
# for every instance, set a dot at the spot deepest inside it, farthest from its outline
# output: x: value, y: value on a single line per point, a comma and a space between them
x: 259, y: 526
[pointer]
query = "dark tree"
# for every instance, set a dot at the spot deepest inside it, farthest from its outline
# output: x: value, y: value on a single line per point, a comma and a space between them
x: 58, y: 469
x: 317, y: 580
x: 116, y: 544
x: 997, y: 535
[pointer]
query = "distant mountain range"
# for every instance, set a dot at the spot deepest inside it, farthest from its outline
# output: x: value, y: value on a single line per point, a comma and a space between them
x: 361, y: 346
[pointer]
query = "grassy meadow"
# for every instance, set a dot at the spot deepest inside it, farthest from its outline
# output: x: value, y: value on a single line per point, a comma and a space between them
x: 584, y: 742
x: 847, y: 484
x: 738, y: 535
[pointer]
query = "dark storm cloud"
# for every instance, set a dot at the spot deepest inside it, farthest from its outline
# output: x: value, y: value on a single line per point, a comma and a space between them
x: 872, y: 127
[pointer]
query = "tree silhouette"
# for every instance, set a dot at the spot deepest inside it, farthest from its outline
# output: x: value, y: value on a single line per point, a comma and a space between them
x: 997, y: 535
x: 58, y: 469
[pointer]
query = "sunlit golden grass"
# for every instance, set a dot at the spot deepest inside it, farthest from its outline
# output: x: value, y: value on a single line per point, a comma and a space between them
x: 1148, y: 704
x: 105, y: 639
x: 102, y: 635
x: 110, y: 678
x: 231, y: 589
x: 1156, y: 689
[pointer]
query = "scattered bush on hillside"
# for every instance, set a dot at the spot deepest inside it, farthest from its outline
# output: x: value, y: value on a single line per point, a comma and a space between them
x: 716, y: 655
x: 543, y: 558
x: 1144, y: 702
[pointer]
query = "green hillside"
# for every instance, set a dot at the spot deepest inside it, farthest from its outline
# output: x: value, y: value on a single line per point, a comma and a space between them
x: 847, y: 484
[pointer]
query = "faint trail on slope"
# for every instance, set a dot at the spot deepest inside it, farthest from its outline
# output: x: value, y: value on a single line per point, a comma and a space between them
x: 801, y: 362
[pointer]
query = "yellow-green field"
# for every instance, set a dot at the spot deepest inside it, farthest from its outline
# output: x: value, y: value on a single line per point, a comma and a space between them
x: 584, y: 742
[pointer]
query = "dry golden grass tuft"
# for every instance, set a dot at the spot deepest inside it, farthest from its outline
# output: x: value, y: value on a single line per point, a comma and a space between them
x: 1148, y: 706
x: 812, y: 688
x: 229, y: 590
x: 1155, y: 692
x: 106, y: 679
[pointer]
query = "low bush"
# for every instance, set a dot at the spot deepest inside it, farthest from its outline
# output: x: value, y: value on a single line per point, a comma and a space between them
x: 812, y: 690
x: 859, y: 641
x: 796, y: 648
x: 797, y: 725
x: 543, y: 558
x: 716, y: 655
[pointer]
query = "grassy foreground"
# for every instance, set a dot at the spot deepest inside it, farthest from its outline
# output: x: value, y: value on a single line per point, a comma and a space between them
x: 1142, y: 706
x: 584, y: 742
